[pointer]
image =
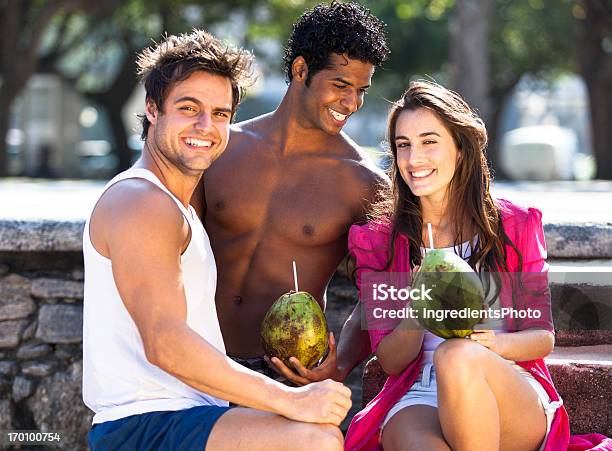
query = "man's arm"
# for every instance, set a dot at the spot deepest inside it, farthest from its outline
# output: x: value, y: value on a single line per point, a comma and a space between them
x: 144, y: 237
x: 354, y: 344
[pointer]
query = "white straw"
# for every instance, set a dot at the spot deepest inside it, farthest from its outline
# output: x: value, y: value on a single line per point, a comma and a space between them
x: 295, y: 276
x: 430, y: 235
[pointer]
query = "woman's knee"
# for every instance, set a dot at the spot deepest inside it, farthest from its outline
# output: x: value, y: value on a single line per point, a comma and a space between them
x: 457, y: 357
x: 328, y: 438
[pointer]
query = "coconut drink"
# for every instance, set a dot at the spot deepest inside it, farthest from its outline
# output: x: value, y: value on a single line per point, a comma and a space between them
x: 453, y: 285
x: 295, y: 326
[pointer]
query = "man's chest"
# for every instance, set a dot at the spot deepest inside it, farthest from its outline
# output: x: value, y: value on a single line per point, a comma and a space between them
x: 306, y: 207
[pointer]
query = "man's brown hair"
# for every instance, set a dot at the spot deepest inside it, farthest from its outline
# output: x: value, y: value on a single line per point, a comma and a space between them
x: 178, y: 56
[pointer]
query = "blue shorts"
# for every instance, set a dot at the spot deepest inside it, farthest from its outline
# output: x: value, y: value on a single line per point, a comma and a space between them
x: 184, y: 430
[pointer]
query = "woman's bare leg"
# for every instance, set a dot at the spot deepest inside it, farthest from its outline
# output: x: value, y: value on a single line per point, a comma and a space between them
x: 483, y: 402
x: 414, y: 428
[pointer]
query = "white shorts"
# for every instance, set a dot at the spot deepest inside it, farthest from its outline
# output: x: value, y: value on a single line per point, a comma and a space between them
x: 550, y: 407
x: 424, y: 391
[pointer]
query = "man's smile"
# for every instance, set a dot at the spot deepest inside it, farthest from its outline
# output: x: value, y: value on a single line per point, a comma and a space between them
x: 198, y: 143
x: 338, y: 116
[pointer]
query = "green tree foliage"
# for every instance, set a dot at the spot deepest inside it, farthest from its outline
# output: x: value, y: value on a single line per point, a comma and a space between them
x: 25, y: 24
x: 536, y: 37
x: 418, y: 39
x: 93, y: 43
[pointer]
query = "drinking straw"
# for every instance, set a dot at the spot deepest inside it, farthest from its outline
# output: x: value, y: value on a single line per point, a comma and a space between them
x: 295, y: 276
x: 430, y: 235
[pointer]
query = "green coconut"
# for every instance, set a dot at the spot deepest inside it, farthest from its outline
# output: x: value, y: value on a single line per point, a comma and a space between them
x: 295, y: 326
x: 454, y: 286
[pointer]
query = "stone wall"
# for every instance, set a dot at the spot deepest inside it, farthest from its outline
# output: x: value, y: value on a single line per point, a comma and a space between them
x: 41, y: 320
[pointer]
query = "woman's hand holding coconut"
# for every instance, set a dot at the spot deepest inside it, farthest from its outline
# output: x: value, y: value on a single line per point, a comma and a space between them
x: 487, y: 338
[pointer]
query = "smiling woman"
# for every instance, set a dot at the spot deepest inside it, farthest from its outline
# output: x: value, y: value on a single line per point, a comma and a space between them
x: 491, y: 391
x: 426, y: 154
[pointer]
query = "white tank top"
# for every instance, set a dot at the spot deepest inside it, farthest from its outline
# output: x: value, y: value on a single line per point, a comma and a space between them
x: 118, y: 380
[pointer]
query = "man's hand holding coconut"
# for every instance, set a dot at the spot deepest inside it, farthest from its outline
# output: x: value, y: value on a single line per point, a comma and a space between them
x: 294, y: 333
x: 326, y: 370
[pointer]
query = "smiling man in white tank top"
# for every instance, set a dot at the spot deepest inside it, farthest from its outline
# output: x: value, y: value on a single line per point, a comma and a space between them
x: 155, y: 369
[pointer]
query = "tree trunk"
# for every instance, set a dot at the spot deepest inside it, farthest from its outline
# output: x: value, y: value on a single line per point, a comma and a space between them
x: 5, y: 108
x: 601, y: 112
x: 113, y: 106
x: 469, y: 53
x: 596, y: 68
x: 499, y: 99
x: 469, y: 56
x: 11, y: 87
x: 113, y: 100
x: 11, y: 22
x: 122, y: 150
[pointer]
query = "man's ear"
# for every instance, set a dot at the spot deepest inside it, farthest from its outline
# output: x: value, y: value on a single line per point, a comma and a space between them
x: 151, y: 111
x: 299, y: 69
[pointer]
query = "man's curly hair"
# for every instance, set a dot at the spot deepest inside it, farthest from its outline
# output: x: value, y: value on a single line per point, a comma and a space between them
x: 178, y: 56
x: 342, y: 28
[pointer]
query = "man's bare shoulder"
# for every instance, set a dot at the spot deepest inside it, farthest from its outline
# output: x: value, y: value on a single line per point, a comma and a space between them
x: 250, y: 130
x: 135, y: 209
x: 362, y: 179
x: 362, y: 167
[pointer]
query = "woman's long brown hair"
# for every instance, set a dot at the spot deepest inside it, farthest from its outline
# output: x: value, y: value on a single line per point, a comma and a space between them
x: 469, y: 205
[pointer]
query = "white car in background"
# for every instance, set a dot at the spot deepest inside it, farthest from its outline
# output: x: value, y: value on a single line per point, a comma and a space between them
x: 543, y: 152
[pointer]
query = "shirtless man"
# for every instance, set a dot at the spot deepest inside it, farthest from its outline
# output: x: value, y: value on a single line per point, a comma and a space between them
x: 155, y: 370
x: 290, y: 185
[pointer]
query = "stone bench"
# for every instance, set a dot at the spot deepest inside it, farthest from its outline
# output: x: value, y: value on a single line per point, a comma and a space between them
x: 583, y: 377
